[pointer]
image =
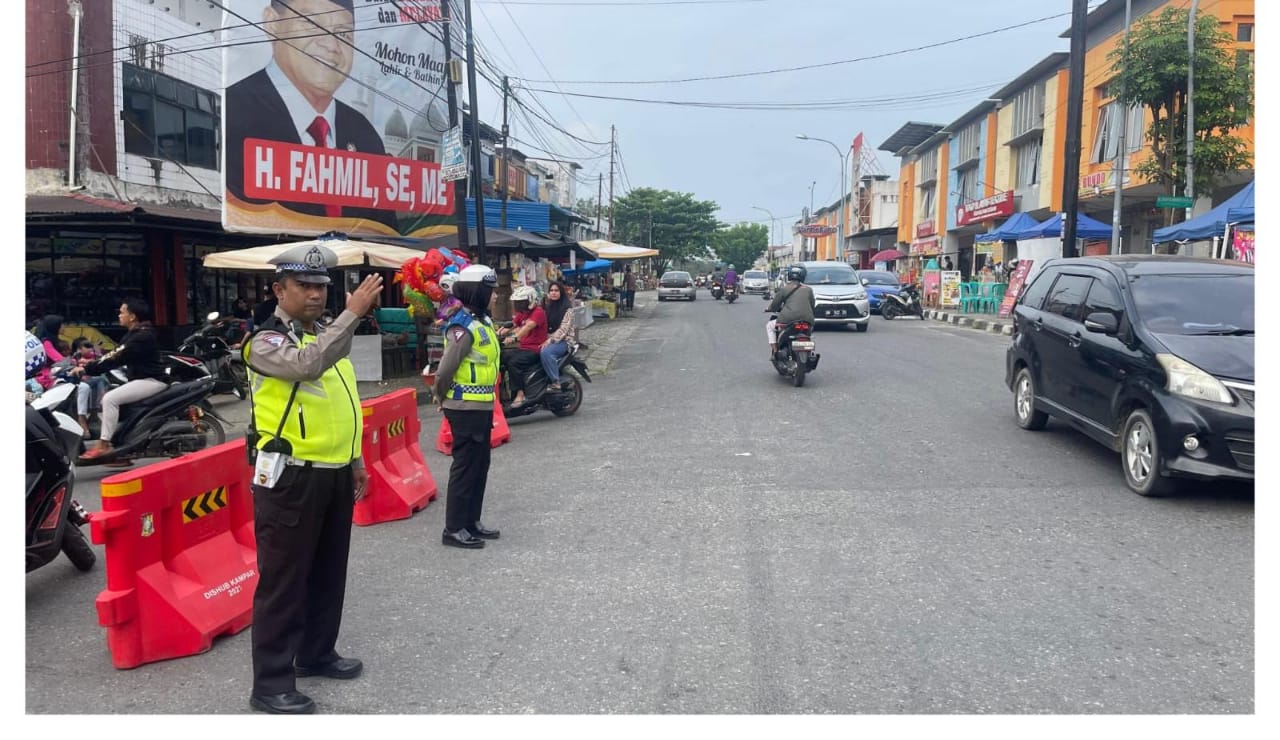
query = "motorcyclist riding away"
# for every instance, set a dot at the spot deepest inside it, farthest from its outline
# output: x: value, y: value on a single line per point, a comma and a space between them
x: 794, y: 302
x: 730, y: 280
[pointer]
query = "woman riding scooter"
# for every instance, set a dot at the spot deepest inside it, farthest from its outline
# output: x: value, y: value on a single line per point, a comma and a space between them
x: 139, y: 354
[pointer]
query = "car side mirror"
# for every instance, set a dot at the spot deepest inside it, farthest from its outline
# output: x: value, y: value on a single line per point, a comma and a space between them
x: 866, y: 281
x: 1102, y: 323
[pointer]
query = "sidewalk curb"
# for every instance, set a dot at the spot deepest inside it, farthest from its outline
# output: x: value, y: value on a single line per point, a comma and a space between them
x: 997, y: 326
x: 604, y: 348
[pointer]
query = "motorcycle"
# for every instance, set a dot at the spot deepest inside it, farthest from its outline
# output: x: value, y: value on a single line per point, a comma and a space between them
x: 211, y: 346
x: 905, y: 303
x: 54, y: 518
x: 172, y: 423
x: 796, y: 355
x: 731, y: 294
x: 717, y: 291
x: 540, y: 394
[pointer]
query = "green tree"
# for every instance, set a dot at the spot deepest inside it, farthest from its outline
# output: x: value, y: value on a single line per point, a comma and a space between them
x: 1154, y: 74
x: 681, y: 227
x: 741, y: 245
x: 585, y: 207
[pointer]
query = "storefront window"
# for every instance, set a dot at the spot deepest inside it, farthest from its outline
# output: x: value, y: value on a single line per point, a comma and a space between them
x: 85, y: 277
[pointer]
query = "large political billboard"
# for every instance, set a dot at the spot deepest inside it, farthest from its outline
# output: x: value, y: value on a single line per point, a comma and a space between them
x: 334, y: 118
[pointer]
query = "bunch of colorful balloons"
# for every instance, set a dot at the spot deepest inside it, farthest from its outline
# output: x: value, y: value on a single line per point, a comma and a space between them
x: 425, y: 282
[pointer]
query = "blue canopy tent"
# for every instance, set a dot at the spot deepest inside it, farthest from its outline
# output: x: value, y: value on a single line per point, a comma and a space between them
x: 589, y: 267
x: 1213, y: 223
x: 1086, y: 228
x: 1016, y: 223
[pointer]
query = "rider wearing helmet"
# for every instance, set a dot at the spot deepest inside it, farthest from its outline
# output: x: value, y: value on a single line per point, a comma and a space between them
x: 730, y: 279
x: 794, y: 302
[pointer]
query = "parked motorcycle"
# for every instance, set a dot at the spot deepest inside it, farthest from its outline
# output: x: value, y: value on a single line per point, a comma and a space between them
x: 211, y: 345
x: 54, y: 518
x: 905, y: 303
x: 540, y: 394
x: 796, y: 355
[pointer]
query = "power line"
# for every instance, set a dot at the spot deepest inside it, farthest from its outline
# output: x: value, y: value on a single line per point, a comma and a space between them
x: 810, y: 105
x: 780, y: 70
x: 619, y: 4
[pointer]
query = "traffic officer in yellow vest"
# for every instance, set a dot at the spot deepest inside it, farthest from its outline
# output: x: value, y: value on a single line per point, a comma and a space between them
x: 305, y: 446
x: 464, y: 389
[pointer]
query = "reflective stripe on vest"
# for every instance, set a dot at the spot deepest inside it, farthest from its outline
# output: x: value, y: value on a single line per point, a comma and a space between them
x: 324, y: 423
x: 478, y: 372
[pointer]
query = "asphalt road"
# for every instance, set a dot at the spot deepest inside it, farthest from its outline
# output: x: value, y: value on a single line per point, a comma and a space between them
x: 703, y: 538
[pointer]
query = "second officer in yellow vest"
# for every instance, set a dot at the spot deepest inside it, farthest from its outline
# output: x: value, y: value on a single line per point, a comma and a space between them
x: 308, y: 473
x: 464, y: 388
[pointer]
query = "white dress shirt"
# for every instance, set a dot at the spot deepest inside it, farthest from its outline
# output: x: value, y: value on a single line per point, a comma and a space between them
x: 299, y: 109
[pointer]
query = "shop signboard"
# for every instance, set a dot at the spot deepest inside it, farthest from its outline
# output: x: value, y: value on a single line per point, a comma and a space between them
x: 932, y: 282
x: 1242, y: 245
x: 926, y: 228
x: 950, y: 288
x: 1016, y: 282
x: 367, y: 163
x: 814, y: 231
x: 995, y: 206
x: 454, y: 165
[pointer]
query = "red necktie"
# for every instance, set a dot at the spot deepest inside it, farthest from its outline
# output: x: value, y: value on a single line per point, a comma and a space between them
x: 319, y: 130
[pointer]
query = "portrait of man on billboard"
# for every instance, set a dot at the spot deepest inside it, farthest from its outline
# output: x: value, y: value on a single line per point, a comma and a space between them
x: 291, y: 99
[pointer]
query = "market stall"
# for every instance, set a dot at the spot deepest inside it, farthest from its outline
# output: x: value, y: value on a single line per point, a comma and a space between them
x: 1219, y: 229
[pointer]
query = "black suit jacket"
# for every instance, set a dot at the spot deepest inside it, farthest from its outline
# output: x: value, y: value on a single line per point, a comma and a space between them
x: 256, y: 111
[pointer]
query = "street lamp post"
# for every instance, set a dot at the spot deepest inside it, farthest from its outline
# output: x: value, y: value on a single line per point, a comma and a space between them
x: 844, y: 165
x: 772, y: 225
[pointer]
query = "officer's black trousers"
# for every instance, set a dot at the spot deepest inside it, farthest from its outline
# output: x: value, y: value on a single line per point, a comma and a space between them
x: 470, y: 469
x: 303, y: 528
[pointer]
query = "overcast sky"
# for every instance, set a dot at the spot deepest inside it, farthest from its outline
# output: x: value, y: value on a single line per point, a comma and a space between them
x: 745, y: 158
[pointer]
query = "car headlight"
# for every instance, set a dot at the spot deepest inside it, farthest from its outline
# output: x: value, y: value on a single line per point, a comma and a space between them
x: 1190, y: 381
x: 860, y: 295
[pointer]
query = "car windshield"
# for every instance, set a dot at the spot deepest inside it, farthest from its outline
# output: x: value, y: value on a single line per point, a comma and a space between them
x: 758, y: 274
x: 672, y: 277
x: 831, y: 275
x: 1195, y: 305
x: 879, y: 278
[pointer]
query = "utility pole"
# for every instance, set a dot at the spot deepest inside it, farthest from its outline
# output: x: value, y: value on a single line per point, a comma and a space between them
x: 613, y: 147
x: 451, y: 87
x: 599, y: 200
x: 1122, y: 157
x: 475, y: 133
x: 506, y: 151
x: 1191, y: 106
x: 1075, y: 112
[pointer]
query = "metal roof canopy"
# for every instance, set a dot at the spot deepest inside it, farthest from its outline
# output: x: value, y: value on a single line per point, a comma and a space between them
x: 909, y: 136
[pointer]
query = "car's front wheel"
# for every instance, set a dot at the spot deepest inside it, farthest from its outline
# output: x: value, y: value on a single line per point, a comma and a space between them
x: 1140, y: 456
x: 1024, y: 403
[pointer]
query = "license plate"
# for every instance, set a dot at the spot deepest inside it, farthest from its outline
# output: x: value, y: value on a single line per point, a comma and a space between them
x: 836, y: 312
x: 802, y: 345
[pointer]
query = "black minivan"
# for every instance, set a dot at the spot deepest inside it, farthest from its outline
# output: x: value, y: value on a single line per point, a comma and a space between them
x: 1150, y: 355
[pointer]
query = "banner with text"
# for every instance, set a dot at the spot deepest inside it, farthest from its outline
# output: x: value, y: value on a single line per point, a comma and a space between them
x: 334, y: 118
x: 995, y: 206
x: 1016, y: 282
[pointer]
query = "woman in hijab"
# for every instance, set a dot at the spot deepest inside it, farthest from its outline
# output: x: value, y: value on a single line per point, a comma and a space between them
x: 47, y: 332
x: 559, y: 308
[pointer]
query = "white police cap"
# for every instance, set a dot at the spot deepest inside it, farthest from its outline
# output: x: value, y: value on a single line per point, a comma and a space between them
x: 478, y: 274
x: 308, y: 263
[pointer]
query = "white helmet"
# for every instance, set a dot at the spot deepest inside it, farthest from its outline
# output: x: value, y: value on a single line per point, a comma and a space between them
x: 524, y: 293
x: 478, y: 274
x: 36, y: 357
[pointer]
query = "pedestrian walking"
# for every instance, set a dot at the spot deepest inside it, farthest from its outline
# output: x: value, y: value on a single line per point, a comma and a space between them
x: 306, y: 478
x: 630, y: 283
x: 464, y: 388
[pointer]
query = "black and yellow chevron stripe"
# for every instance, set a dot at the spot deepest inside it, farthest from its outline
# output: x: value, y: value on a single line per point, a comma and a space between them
x: 396, y: 428
x: 204, y: 504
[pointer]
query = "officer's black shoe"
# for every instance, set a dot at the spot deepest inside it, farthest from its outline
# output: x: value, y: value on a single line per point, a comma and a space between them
x: 290, y: 702
x: 461, y: 538
x: 342, y: 668
x: 483, y: 532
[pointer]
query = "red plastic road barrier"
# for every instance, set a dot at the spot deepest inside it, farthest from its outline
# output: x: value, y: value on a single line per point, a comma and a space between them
x: 180, y: 553
x: 501, y: 432
x: 399, y: 481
